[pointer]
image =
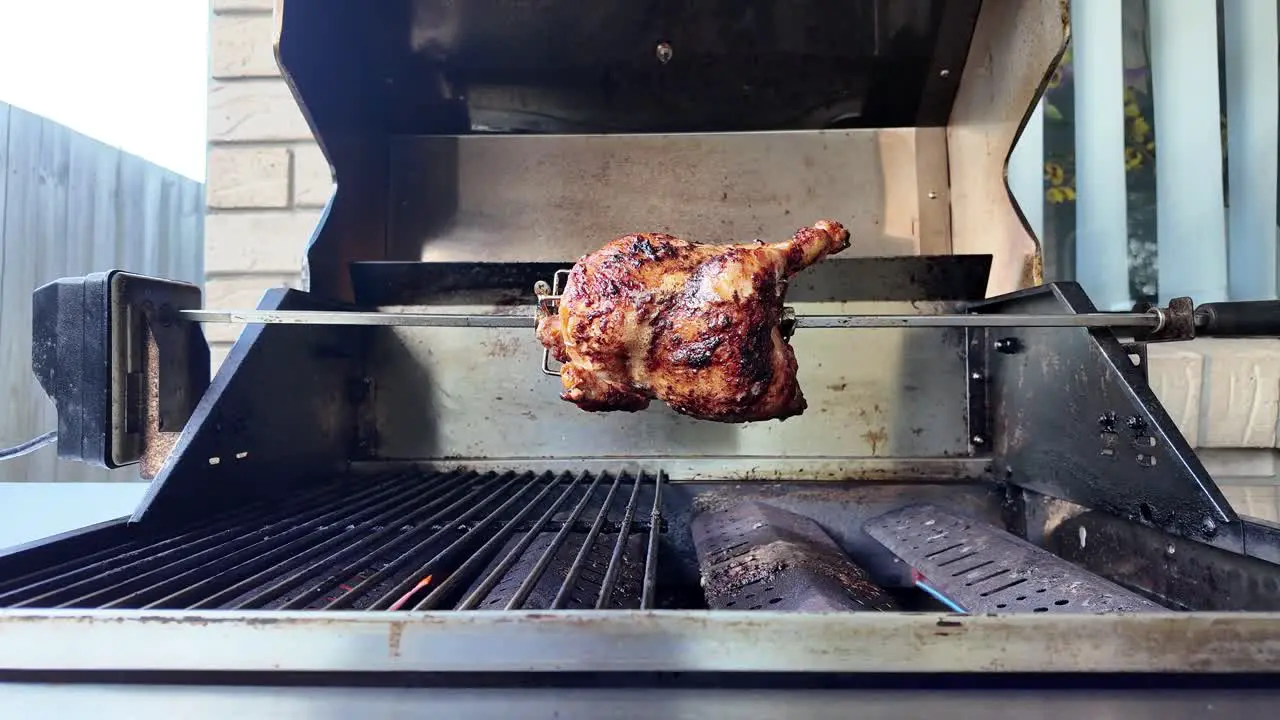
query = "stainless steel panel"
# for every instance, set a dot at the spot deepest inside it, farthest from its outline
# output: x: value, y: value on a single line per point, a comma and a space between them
x: 557, y: 197
x: 613, y: 641
x: 454, y: 393
x: 746, y: 468
x: 219, y: 702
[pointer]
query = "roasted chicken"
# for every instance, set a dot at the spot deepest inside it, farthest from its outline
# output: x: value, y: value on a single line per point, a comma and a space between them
x: 697, y: 326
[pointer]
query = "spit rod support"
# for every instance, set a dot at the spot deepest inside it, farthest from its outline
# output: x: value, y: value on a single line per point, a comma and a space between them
x: 398, y: 319
x: 337, y: 317
x: 1091, y: 320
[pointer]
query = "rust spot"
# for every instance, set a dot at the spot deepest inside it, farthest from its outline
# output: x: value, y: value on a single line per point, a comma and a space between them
x: 945, y: 623
x: 395, y: 631
x: 501, y: 347
x: 875, y: 437
x: 1033, y: 270
x: 839, y: 387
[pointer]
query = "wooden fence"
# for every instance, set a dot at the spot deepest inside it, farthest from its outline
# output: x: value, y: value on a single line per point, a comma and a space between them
x: 69, y: 206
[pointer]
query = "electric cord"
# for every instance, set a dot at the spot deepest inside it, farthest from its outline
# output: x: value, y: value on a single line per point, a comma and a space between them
x: 29, y: 446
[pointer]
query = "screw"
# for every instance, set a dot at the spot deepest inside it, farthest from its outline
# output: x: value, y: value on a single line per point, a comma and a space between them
x: 1007, y: 346
x: 1108, y: 421
x: 978, y: 440
x: 1135, y: 423
x: 944, y: 72
x: 975, y: 376
x: 664, y: 52
x: 1209, y: 526
x: 933, y: 195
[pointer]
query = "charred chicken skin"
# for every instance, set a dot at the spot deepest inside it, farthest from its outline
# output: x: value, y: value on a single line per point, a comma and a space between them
x: 697, y: 326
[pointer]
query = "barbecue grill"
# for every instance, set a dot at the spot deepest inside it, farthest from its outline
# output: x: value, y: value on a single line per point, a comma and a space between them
x: 380, y: 486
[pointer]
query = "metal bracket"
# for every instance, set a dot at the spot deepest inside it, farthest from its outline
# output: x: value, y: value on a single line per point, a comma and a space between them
x: 1177, y: 321
x: 1074, y: 418
x: 978, y: 416
x: 280, y: 408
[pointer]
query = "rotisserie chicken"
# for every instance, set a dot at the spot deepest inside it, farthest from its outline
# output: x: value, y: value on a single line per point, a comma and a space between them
x: 697, y: 326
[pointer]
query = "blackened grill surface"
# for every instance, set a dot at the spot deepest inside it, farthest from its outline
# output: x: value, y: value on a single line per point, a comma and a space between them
x: 369, y: 543
x: 754, y: 556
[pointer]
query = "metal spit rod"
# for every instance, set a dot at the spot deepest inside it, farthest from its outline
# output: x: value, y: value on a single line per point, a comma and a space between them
x: 323, y: 317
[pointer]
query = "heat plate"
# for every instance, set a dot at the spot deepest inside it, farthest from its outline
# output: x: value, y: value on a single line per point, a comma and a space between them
x: 984, y: 569
x: 371, y: 543
x: 754, y: 556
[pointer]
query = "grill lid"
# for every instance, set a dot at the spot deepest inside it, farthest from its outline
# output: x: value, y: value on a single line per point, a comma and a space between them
x: 457, y: 66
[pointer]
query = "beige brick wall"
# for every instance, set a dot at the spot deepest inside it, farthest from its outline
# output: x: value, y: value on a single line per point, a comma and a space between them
x: 267, y: 179
x: 1225, y: 397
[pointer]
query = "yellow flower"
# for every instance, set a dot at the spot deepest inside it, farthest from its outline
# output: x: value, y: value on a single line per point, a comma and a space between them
x: 1131, y: 109
x: 1069, y: 193
x: 1054, y: 173
x: 1132, y: 158
x: 1056, y: 195
x: 1151, y: 147
x: 1139, y: 129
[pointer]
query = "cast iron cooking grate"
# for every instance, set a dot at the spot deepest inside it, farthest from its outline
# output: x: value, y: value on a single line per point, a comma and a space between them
x: 986, y: 570
x: 408, y: 540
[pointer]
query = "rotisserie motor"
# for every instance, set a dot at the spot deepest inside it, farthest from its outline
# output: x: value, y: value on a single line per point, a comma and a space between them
x: 697, y: 326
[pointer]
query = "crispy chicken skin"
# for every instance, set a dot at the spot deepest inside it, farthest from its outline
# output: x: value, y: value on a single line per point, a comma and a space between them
x: 697, y: 326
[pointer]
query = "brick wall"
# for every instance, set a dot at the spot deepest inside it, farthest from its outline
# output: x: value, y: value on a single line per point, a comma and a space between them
x: 267, y: 179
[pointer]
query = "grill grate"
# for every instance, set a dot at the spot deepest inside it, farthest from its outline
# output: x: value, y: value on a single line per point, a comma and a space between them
x: 409, y: 540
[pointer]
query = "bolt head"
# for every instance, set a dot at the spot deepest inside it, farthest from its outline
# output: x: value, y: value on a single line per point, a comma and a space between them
x: 1007, y: 345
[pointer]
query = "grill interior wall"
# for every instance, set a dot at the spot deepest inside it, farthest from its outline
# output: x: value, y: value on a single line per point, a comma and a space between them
x: 467, y: 394
x: 477, y: 394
